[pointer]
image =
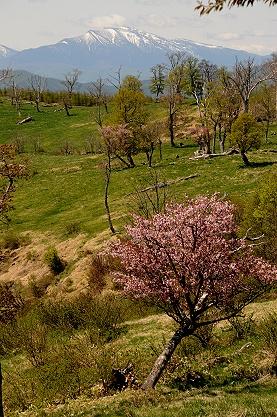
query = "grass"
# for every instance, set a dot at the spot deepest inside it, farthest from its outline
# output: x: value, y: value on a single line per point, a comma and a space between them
x: 226, y: 394
x: 68, y: 190
x: 63, y: 188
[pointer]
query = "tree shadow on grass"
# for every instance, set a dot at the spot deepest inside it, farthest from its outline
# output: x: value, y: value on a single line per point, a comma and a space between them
x: 258, y: 164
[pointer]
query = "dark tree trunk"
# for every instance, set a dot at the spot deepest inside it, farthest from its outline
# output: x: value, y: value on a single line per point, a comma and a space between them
x: 122, y: 160
x: 245, y: 159
x: 164, y: 358
x: 160, y: 150
x: 131, y: 161
x: 214, y: 138
x: 266, y: 130
x: 37, y: 106
x: 246, y: 105
x: 66, y: 107
x: 1, y: 400
x: 149, y: 155
x: 108, y: 178
x: 171, y: 129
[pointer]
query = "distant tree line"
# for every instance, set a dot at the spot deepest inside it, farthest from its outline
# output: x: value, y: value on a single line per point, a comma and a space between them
x: 50, y: 97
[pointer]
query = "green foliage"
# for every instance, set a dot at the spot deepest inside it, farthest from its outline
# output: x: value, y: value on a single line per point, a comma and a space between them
x: 268, y: 330
x: 132, y: 83
x: 242, y: 326
x: 53, y: 260
x: 246, y: 133
x: 72, y: 229
x: 261, y: 217
x: 129, y: 105
x: 12, y: 240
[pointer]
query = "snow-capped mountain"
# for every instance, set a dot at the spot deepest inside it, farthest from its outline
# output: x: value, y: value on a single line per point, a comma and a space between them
x: 101, y: 52
x: 6, y: 52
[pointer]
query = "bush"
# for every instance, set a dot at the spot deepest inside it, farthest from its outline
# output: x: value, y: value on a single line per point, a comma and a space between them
x: 104, y: 315
x: 33, y: 338
x: 63, y: 314
x: 53, y: 260
x: 242, y: 326
x: 38, y: 287
x: 261, y: 217
x: 11, y: 302
x: 98, y: 268
x: 268, y: 331
x: 11, y: 240
x: 72, y: 229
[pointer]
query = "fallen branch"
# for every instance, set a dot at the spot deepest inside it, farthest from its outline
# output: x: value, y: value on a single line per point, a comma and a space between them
x: 166, y: 184
x: 214, y: 155
x: 26, y: 120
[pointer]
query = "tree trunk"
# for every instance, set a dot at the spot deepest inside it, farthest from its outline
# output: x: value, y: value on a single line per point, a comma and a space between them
x: 37, y: 106
x: 246, y: 105
x: 1, y: 401
x: 245, y: 159
x: 108, y: 177
x: 165, y: 357
x: 131, y: 161
x: 214, y: 138
x: 66, y: 107
x: 122, y: 160
x: 160, y: 150
x: 222, y: 137
x: 266, y: 130
x: 171, y: 129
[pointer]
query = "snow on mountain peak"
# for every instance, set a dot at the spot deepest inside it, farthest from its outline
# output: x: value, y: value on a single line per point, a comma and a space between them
x: 120, y: 36
x: 4, y: 51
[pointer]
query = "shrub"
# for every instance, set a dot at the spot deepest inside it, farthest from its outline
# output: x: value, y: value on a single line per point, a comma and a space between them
x: 242, y: 326
x: 11, y: 303
x: 63, y: 314
x: 268, y: 331
x: 11, y: 240
x: 72, y: 229
x: 33, y: 339
x: 104, y: 315
x: 261, y: 217
x: 38, y: 287
x: 53, y: 260
x: 98, y: 268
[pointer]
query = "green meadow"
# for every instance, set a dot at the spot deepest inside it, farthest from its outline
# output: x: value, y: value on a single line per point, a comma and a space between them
x: 62, y: 189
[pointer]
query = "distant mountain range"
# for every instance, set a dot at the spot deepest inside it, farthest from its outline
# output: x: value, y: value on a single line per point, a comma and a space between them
x: 102, y: 52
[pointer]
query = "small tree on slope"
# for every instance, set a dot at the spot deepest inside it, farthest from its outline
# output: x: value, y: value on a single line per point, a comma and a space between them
x: 190, y: 262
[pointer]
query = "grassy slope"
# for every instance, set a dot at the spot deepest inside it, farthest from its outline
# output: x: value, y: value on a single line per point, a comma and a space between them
x: 65, y: 189
x: 143, y: 339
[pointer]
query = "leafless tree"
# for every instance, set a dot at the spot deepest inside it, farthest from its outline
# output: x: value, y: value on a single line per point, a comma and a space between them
x: 116, y: 80
x: 70, y: 82
x: 97, y: 91
x: 38, y: 85
x: 16, y: 95
x: 245, y: 77
x: 270, y: 68
x: 5, y: 74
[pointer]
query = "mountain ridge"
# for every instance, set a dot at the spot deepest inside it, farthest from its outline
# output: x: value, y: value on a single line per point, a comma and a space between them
x: 102, y: 51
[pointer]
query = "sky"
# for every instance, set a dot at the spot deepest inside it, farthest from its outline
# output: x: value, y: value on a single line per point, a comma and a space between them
x: 32, y: 23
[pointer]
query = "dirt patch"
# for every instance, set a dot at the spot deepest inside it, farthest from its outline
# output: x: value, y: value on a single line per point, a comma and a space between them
x: 27, y: 264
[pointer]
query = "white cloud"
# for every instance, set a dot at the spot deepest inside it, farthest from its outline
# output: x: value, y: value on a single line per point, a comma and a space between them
x: 113, y: 20
x: 157, y: 21
x: 228, y: 36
